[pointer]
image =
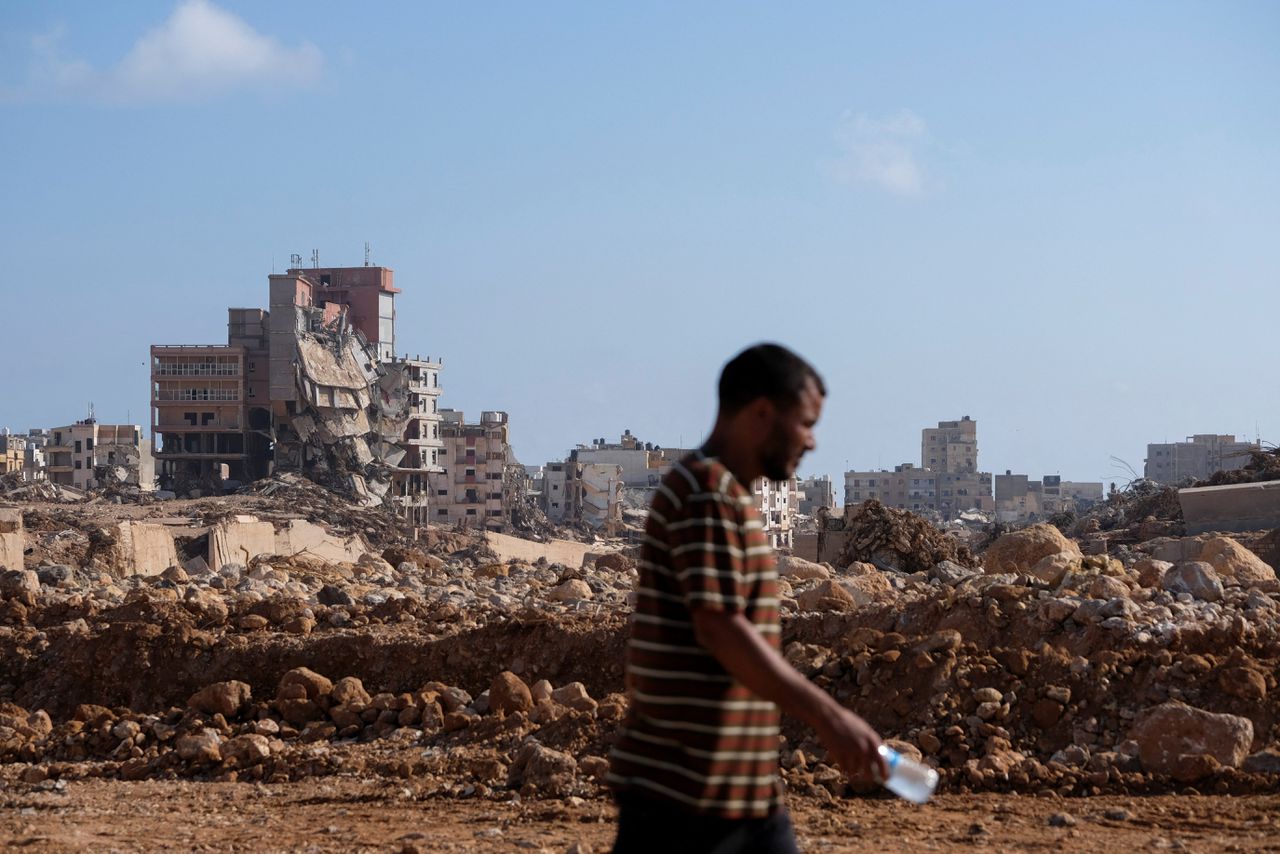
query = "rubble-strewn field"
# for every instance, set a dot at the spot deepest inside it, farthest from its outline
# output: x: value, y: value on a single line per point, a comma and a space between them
x: 427, y: 695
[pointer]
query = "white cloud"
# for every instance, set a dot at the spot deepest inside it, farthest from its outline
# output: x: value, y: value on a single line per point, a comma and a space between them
x: 199, y: 51
x: 881, y: 152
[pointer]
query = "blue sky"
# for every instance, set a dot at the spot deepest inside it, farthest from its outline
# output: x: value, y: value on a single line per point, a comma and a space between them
x: 1060, y: 220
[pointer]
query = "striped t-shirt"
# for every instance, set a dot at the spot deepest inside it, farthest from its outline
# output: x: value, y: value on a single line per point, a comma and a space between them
x: 694, y: 735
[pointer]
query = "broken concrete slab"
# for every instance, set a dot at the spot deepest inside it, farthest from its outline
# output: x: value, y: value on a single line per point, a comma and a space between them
x: 300, y: 537
x: 555, y: 551
x: 239, y: 540
x: 1234, y: 508
x: 144, y: 548
x: 13, y: 541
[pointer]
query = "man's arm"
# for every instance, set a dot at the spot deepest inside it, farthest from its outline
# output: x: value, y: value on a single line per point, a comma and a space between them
x: 741, y: 650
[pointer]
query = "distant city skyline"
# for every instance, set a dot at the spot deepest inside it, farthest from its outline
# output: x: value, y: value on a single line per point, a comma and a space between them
x: 1060, y: 222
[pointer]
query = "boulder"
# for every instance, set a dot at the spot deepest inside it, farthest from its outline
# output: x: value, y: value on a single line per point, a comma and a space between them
x: 1020, y: 551
x: 570, y: 590
x: 865, y: 589
x: 221, y: 698
x: 247, y: 750
x: 542, y: 770
x: 1194, y: 577
x: 1108, y: 587
x: 508, y: 694
x: 20, y: 584
x: 793, y: 567
x: 614, y: 562
x: 574, y: 696
x: 349, y: 689
x: 950, y: 572
x: 202, y: 746
x: 1233, y: 561
x: 1151, y: 572
x: 315, y: 685
x: 1051, y: 569
x: 826, y: 596
x: 1187, y: 743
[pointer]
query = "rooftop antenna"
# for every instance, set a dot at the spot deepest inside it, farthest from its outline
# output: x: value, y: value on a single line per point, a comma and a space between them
x: 315, y: 259
x: 91, y: 410
x: 367, y: 248
x: 295, y: 260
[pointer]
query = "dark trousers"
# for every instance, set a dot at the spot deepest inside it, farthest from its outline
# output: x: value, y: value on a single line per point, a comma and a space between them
x: 652, y: 827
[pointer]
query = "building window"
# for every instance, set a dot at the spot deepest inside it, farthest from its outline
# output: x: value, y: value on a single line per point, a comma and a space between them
x: 77, y: 464
x: 77, y: 449
x: 471, y: 511
x: 442, y: 492
x: 495, y: 512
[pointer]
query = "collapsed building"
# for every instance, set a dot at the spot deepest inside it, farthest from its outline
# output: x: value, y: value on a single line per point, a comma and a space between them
x: 313, y: 384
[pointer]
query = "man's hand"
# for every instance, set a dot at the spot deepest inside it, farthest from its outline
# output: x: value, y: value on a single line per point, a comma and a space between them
x: 852, y: 744
x: 742, y: 651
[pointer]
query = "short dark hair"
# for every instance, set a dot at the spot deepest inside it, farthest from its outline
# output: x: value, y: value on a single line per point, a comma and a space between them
x: 765, y: 370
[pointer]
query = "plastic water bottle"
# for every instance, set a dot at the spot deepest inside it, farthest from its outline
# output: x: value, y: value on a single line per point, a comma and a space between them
x: 907, y: 779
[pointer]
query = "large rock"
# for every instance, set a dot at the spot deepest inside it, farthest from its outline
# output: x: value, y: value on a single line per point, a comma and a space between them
x: 1150, y: 571
x: 865, y: 589
x: 1051, y: 569
x: 826, y: 596
x: 542, y: 770
x: 1020, y: 551
x: 508, y: 694
x: 20, y: 584
x: 1232, y: 560
x: 570, y: 590
x: 349, y: 689
x: 1195, y: 577
x: 790, y: 566
x: 247, y: 750
x: 315, y: 685
x: 221, y: 698
x: 1187, y: 743
x: 202, y: 746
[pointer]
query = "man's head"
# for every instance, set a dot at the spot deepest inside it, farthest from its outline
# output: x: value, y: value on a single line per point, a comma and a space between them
x: 770, y: 399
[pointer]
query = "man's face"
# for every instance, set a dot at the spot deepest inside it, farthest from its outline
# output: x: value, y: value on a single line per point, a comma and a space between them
x: 791, y: 434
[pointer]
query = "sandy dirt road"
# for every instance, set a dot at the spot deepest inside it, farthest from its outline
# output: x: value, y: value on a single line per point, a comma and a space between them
x: 355, y: 815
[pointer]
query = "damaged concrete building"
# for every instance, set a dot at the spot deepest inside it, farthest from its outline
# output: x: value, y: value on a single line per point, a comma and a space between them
x: 88, y: 455
x: 311, y: 384
x: 947, y: 481
x: 1019, y: 497
x: 478, y: 479
x: 1198, y: 458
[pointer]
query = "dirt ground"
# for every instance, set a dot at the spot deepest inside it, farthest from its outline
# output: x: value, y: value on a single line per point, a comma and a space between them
x: 342, y: 814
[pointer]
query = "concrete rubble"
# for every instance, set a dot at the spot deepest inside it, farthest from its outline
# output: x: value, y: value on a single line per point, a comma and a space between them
x: 287, y: 637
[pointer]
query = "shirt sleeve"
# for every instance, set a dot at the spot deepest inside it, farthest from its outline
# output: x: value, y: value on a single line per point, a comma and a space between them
x: 708, y: 555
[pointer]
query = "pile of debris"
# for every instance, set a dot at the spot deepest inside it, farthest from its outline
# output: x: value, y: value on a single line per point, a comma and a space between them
x: 898, y: 540
x: 1263, y: 465
x: 1044, y: 669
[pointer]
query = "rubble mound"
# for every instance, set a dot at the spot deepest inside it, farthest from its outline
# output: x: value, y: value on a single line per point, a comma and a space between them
x: 899, y: 540
x: 1149, y: 670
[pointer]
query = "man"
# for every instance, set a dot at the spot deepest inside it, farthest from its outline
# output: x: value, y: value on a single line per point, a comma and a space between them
x: 695, y: 766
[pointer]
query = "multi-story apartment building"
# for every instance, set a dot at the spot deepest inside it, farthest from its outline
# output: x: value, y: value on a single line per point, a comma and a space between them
x: 947, y: 480
x: 78, y: 453
x: 313, y: 383
x: 1019, y: 497
x: 777, y: 502
x: 951, y: 447
x: 815, y: 493
x: 1198, y: 458
x: 12, y: 451
x: 471, y: 487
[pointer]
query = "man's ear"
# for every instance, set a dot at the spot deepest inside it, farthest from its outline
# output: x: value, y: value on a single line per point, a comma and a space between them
x: 763, y: 411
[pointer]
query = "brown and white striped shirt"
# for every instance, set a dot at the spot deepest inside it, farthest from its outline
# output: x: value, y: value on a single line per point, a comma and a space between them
x: 694, y: 735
